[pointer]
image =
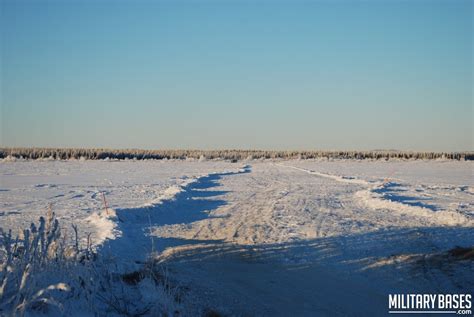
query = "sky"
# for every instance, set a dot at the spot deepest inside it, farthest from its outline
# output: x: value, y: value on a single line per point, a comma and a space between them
x: 354, y: 75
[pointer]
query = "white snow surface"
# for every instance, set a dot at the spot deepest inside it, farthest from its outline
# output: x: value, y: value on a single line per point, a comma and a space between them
x: 313, y: 237
x: 74, y: 188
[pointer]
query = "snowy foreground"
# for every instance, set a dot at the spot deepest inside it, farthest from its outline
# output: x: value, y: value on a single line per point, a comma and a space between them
x: 265, y: 237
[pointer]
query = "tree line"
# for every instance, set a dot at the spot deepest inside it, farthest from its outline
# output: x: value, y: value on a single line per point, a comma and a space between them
x: 233, y: 155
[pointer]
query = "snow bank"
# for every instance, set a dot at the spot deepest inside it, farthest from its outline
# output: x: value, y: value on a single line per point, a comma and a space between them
x: 377, y: 196
x: 105, y: 223
x: 371, y: 199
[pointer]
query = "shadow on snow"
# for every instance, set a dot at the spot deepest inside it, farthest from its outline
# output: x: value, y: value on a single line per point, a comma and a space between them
x: 390, y: 260
x: 193, y: 203
x: 391, y: 191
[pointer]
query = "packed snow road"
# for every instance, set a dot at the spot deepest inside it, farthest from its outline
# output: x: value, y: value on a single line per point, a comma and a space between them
x: 273, y: 203
x: 292, y: 241
x: 275, y: 238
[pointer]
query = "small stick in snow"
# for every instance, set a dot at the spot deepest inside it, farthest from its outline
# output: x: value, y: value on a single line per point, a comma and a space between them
x: 105, y: 203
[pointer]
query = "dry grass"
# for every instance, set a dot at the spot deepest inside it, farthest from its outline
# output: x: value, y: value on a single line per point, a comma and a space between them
x: 45, y: 272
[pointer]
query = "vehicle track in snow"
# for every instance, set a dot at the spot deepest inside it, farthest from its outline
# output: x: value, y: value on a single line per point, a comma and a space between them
x: 383, y: 196
x: 281, y: 225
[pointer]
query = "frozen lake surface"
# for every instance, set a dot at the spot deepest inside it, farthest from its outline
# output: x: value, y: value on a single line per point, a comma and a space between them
x: 266, y: 237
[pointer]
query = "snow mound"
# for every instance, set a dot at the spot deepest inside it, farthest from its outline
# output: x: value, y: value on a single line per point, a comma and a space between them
x: 106, y: 225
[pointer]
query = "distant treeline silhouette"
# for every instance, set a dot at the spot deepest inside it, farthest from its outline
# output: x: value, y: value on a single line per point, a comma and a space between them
x: 233, y: 155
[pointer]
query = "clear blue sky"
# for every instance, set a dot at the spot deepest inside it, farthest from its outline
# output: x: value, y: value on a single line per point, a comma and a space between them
x: 238, y: 74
